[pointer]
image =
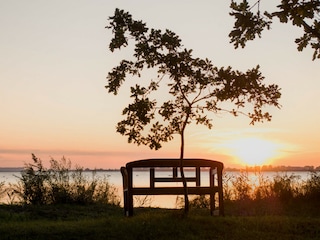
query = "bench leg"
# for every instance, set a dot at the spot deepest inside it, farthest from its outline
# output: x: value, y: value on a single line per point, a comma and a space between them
x: 212, y: 204
x: 125, y: 202
x: 221, y: 204
x: 130, y: 205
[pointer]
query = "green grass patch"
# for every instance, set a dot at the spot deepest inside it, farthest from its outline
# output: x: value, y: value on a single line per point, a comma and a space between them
x: 108, y: 222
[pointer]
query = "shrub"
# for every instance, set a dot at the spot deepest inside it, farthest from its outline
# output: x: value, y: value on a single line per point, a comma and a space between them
x: 32, y: 185
x: 60, y: 184
x: 312, y: 186
x: 59, y: 181
x: 82, y: 189
x: 286, y: 187
x: 263, y: 190
x: 242, y: 187
x: 105, y: 193
x: 227, y: 186
x: 202, y: 201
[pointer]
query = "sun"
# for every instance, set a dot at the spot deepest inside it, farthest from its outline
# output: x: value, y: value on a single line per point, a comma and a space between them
x: 253, y: 151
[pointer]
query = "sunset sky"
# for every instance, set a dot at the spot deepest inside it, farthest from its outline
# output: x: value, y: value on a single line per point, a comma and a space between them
x: 54, y: 59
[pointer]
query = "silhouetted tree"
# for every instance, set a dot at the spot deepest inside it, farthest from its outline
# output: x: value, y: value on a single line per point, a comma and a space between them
x: 189, y: 87
x: 249, y: 22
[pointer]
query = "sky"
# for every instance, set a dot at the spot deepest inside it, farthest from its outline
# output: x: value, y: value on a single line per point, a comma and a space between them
x: 54, y: 59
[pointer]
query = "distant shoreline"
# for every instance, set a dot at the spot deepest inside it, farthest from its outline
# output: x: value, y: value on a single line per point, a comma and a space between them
x: 247, y: 169
x: 19, y: 169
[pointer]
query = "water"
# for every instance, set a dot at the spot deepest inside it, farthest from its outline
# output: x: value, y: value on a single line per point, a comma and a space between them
x: 141, y: 179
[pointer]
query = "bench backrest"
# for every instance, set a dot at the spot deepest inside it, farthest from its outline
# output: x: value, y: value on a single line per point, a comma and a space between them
x: 214, y: 167
x: 174, y: 162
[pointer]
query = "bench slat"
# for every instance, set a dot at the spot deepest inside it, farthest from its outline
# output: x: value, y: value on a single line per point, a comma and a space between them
x: 174, y: 190
x: 165, y: 179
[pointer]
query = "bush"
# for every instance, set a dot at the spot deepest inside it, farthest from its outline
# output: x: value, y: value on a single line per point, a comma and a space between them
x: 105, y: 193
x: 59, y: 181
x: 242, y: 187
x: 60, y: 184
x: 312, y: 187
x: 200, y: 202
x: 286, y: 187
x: 263, y: 190
x: 32, y: 187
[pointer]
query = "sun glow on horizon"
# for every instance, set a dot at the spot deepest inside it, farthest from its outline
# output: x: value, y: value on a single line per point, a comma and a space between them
x: 253, y: 151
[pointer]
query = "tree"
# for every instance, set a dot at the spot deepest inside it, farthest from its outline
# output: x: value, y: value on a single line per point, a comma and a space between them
x: 249, y: 22
x: 194, y: 87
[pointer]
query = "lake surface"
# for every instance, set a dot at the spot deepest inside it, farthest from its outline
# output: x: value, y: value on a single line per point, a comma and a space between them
x: 141, y: 178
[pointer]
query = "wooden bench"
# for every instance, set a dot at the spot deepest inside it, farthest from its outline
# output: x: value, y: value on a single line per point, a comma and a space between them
x: 213, y: 188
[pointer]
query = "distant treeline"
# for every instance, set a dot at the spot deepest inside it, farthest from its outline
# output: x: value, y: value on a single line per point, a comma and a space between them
x: 270, y: 168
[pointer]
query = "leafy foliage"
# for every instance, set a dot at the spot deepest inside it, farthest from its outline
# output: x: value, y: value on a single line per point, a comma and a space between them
x: 194, y: 86
x: 301, y: 13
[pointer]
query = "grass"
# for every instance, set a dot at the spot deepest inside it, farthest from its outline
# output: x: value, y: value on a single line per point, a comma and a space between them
x: 108, y: 222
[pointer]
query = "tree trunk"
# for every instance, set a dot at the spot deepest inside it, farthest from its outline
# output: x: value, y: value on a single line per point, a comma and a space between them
x: 185, y: 187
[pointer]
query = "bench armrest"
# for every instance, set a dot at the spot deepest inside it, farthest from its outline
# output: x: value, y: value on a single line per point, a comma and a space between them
x: 124, y: 173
